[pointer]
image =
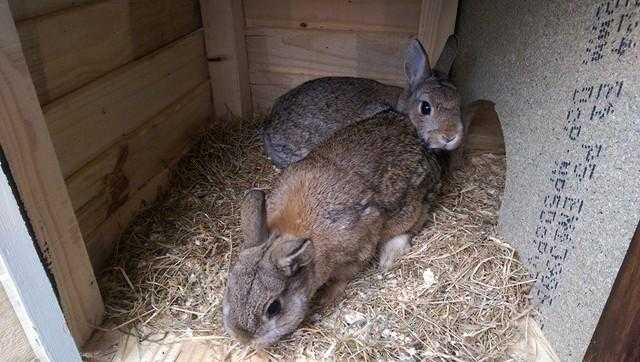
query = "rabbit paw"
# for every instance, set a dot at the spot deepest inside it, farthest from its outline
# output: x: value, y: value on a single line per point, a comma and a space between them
x: 392, y: 249
x: 330, y: 292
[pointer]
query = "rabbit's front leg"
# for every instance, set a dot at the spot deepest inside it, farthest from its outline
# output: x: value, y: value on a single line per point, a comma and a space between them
x: 330, y: 291
x: 392, y: 249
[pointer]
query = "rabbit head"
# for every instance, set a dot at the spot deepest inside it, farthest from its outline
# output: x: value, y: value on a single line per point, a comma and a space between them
x: 430, y: 100
x: 268, y: 293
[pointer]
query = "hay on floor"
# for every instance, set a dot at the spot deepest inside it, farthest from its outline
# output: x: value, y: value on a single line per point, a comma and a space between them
x: 456, y: 296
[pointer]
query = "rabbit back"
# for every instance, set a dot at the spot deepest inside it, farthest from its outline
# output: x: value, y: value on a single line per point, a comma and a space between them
x: 377, y: 163
x: 309, y: 114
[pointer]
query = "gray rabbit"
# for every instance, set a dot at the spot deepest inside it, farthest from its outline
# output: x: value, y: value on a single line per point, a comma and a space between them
x: 309, y: 114
x: 364, y: 191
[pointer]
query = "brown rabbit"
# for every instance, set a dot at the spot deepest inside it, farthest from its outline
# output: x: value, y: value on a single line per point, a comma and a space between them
x: 368, y: 188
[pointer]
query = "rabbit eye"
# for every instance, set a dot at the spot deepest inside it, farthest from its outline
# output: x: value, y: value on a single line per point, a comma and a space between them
x: 273, y: 309
x: 425, y: 108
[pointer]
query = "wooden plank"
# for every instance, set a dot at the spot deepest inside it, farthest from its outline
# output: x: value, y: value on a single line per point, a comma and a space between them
x: 282, y: 58
x: 618, y: 331
x: 98, y: 38
x: 103, y: 186
x: 88, y: 121
x: 437, y: 22
x: 100, y: 242
x: 367, y: 54
x: 36, y: 172
x: 26, y: 283
x: 24, y: 9
x: 227, y: 55
x: 266, y: 87
x: 14, y: 345
x: 142, y: 153
x: 360, y: 15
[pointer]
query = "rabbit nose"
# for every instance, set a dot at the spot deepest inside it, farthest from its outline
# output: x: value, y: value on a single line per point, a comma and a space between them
x: 449, y: 139
x: 242, y: 335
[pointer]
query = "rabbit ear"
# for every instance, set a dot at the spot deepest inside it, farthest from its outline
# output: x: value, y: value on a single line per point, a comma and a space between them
x: 253, y: 219
x: 447, y: 56
x: 416, y: 63
x: 291, y: 255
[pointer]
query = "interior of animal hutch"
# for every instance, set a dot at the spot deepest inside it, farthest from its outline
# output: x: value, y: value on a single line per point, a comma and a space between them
x: 131, y: 130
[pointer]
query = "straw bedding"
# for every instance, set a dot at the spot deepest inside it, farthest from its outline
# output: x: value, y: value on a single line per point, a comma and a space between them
x: 456, y: 296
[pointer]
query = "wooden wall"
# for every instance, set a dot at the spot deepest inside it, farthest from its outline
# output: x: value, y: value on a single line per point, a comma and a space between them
x: 291, y: 41
x: 123, y: 85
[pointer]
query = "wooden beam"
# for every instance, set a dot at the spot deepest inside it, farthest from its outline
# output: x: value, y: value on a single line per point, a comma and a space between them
x: 223, y: 22
x: 28, y: 288
x: 617, y: 335
x: 437, y: 22
x: 27, y: 146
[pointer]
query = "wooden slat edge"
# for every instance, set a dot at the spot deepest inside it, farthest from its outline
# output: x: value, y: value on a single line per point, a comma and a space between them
x: 224, y: 25
x: 437, y: 22
x: 35, y: 169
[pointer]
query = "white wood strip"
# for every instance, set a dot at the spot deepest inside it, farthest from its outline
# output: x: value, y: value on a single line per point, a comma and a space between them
x: 28, y: 287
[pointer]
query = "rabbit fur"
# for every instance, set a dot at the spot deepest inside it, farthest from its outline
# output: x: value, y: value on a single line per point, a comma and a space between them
x: 307, y: 115
x: 366, y: 190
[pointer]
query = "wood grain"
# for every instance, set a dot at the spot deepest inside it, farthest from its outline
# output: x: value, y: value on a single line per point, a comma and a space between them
x: 104, y: 185
x: 98, y: 38
x: 266, y: 87
x: 282, y: 58
x: 361, y: 15
x: 617, y: 334
x: 437, y: 22
x: 227, y: 55
x: 87, y: 122
x: 36, y: 172
x: 100, y: 241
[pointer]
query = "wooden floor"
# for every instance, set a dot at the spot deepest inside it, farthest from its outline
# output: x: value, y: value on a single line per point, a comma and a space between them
x: 118, y: 347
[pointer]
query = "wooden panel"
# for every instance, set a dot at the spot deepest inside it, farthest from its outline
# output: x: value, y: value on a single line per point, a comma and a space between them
x: 363, y: 15
x: 437, y: 22
x: 102, y: 186
x: 227, y: 55
x: 69, y: 48
x: 24, y: 9
x: 267, y: 86
x: 617, y: 335
x: 279, y: 58
x: 85, y: 123
x: 36, y: 172
x: 100, y: 242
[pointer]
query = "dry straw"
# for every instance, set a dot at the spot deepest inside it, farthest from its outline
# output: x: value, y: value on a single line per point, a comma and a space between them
x: 456, y: 296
